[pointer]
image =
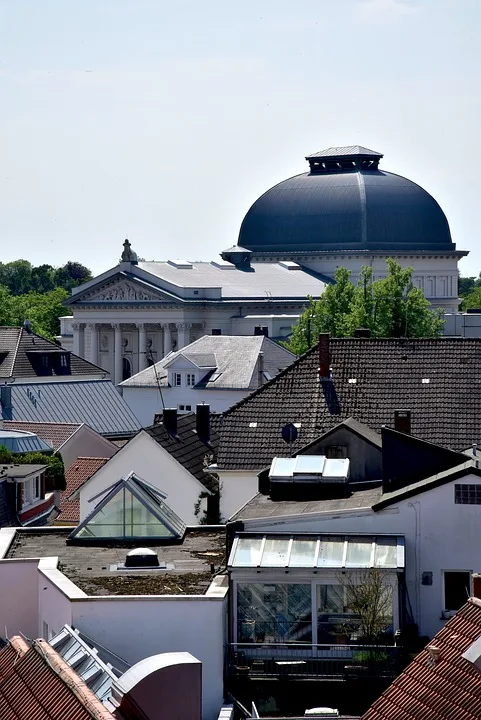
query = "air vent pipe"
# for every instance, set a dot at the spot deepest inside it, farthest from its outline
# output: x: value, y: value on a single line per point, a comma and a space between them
x: 202, y: 421
x: 170, y: 421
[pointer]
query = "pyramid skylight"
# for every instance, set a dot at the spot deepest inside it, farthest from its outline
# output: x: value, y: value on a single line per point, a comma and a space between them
x: 130, y: 509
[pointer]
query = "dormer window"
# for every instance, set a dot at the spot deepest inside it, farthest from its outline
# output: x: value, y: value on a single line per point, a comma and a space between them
x: 176, y: 379
x: 190, y: 379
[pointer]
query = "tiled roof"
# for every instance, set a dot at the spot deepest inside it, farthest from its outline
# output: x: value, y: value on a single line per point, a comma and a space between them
x: 446, y: 689
x: 16, y: 343
x: 76, y: 475
x: 437, y: 379
x: 188, y: 450
x: 96, y: 403
x: 54, y: 434
x: 36, y: 683
x: 234, y: 357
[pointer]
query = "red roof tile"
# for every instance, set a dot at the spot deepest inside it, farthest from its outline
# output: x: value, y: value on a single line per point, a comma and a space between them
x: 448, y: 689
x: 54, y: 434
x: 76, y: 475
x: 40, y: 685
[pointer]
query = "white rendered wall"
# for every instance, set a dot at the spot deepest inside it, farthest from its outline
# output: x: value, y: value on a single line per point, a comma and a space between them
x: 439, y: 535
x: 463, y: 325
x: 18, y: 598
x: 146, y: 402
x: 236, y: 488
x: 136, y: 627
x: 152, y: 463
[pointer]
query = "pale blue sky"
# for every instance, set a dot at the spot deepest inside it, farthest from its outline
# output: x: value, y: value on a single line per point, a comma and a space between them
x: 163, y: 121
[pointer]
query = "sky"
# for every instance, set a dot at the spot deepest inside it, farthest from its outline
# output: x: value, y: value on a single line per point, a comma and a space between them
x: 164, y: 121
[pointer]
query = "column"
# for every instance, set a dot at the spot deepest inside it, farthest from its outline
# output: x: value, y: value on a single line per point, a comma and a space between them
x: 117, y: 353
x: 94, y: 343
x: 167, y: 339
x: 76, y: 338
x: 142, y: 346
x: 183, y: 334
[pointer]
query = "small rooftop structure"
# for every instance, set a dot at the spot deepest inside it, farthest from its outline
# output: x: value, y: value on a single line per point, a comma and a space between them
x: 52, y: 433
x: 21, y: 442
x: 309, y: 469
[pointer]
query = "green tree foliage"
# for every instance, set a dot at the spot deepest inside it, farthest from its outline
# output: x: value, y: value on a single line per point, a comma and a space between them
x: 388, y: 307
x: 55, y: 471
x: 21, y: 277
x: 42, y: 309
x: 472, y: 300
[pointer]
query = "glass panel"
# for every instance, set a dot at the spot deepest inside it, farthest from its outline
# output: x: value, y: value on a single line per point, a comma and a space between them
x: 139, y: 521
x: 359, y: 552
x: 269, y: 613
x: 331, y: 552
x: 385, y: 554
x: 309, y: 464
x: 282, y: 467
x: 248, y: 553
x: 303, y: 553
x: 275, y: 552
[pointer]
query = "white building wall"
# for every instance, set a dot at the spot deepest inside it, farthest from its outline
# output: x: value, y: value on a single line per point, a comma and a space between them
x: 18, y: 598
x: 136, y: 627
x: 146, y: 402
x: 151, y: 463
x: 466, y: 325
x: 236, y: 488
x: 439, y: 536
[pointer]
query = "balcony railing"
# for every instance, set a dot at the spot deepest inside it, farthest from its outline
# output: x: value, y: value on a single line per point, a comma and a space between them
x: 316, y: 661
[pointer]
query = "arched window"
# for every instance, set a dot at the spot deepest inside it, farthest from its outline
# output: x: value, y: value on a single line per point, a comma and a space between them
x: 126, y: 369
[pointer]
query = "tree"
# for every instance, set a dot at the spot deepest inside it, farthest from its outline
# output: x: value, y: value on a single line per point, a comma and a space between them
x: 388, y: 307
x: 71, y: 275
x: 16, y: 276
x: 369, y: 598
x: 41, y: 309
x: 473, y: 299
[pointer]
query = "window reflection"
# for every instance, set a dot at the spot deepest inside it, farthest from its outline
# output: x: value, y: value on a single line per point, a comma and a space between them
x: 273, y: 613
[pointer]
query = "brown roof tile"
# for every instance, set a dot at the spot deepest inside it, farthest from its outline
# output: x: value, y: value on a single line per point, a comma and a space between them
x: 388, y: 375
x: 40, y: 685
x: 448, y: 689
x: 76, y: 475
x: 54, y: 434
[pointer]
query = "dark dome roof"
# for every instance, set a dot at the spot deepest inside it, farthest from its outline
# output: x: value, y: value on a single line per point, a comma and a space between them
x: 345, y: 203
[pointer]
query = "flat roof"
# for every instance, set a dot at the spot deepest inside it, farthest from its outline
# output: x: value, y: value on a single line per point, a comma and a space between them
x: 89, y: 567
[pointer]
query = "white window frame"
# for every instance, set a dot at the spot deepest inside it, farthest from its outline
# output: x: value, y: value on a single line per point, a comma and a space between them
x: 190, y: 379
x: 32, y: 491
x: 183, y: 409
x: 177, y: 379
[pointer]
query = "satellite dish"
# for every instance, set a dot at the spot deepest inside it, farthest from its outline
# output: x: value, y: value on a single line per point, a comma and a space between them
x: 289, y: 433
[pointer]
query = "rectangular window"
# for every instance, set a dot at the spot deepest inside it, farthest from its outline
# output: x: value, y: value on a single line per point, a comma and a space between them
x: 37, y: 487
x: 273, y: 612
x: 457, y: 588
x: 336, y: 451
x: 176, y: 379
x: 190, y: 380
x: 184, y: 409
x: 467, y: 494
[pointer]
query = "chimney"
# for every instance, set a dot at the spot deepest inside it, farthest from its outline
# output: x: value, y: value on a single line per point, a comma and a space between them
x: 6, y: 402
x: 402, y: 421
x: 169, y: 419
x: 324, y: 356
x: 362, y: 333
x: 202, y: 422
x: 477, y: 585
x: 260, y: 369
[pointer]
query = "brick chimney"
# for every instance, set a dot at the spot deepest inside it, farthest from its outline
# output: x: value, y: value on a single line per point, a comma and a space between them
x: 324, y: 356
x: 477, y: 585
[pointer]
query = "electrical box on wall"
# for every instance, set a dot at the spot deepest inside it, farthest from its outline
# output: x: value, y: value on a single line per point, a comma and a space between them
x: 427, y: 578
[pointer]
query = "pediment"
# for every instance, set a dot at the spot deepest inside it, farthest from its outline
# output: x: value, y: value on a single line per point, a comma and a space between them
x: 125, y: 291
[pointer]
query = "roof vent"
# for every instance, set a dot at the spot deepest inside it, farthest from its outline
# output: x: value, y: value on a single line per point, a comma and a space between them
x: 181, y: 264
x: 142, y: 558
x: 434, y: 654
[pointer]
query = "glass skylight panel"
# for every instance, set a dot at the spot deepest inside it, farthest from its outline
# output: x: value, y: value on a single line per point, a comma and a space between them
x: 359, y: 552
x: 309, y: 464
x: 385, y: 553
x: 276, y: 552
x: 336, y: 468
x: 282, y: 467
x: 331, y: 552
x: 303, y: 553
x: 248, y: 552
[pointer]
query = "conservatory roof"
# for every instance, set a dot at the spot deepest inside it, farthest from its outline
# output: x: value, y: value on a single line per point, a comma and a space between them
x: 317, y: 551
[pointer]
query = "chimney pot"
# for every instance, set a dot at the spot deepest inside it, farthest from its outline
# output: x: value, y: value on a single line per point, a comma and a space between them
x: 324, y: 356
x: 169, y: 420
x: 434, y: 652
x: 202, y: 422
x: 402, y: 421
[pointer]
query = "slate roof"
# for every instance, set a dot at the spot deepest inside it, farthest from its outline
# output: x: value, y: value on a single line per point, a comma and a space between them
x: 94, y: 402
x: 234, y: 357
x: 388, y: 375
x: 54, y: 434
x: 448, y: 689
x: 188, y: 450
x: 15, y: 343
x: 36, y: 683
x: 76, y: 475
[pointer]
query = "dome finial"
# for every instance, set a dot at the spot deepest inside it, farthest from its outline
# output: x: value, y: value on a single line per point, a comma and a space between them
x: 128, y: 255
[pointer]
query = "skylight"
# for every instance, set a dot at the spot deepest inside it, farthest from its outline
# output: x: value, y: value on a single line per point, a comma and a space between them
x: 129, y: 509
